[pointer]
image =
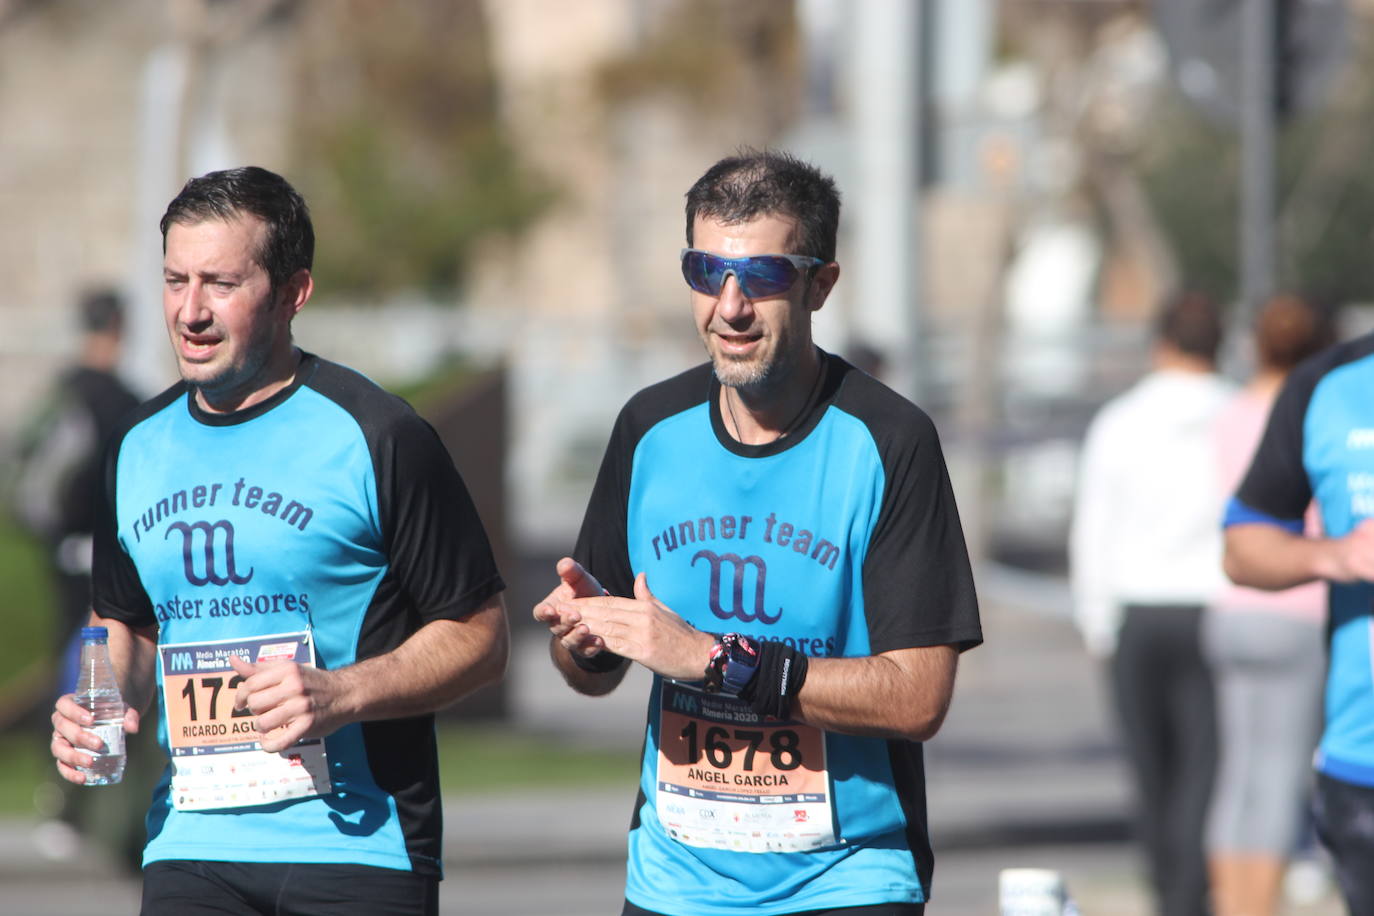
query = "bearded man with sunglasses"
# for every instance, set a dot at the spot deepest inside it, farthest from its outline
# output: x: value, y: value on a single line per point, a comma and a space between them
x: 773, y: 535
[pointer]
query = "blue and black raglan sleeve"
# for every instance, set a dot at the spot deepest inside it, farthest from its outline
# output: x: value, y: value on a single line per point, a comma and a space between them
x: 436, y: 546
x: 117, y: 592
x: 1276, y: 489
x: 602, y: 543
x: 918, y: 581
x: 602, y: 548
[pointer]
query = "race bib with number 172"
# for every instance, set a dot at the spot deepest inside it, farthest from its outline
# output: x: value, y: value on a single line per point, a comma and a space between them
x: 217, y: 761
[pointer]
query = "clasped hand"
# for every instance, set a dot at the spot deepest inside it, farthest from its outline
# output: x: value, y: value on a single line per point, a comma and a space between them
x: 289, y: 701
x: 642, y: 629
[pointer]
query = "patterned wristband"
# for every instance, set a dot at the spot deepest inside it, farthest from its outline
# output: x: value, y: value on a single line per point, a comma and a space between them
x: 733, y: 663
x: 714, y: 675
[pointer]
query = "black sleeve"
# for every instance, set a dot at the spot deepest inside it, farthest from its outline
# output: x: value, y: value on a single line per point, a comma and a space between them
x: 436, y: 545
x: 1276, y: 483
x: 918, y: 583
x: 601, y: 544
x: 117, y: 590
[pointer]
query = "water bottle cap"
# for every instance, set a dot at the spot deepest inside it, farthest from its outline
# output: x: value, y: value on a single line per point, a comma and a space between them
x: 95, y: 633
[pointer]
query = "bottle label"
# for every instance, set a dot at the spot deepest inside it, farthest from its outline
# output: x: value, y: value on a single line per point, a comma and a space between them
x: 217, y: 761
x: 112, y: 734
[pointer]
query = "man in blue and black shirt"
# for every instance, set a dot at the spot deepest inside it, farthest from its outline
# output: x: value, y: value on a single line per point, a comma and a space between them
x: 773, y: 535
x: 1319, y: 445
x: 291, y: 568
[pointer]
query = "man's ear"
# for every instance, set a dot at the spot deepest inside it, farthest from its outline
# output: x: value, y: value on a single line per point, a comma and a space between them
x: 822, y: 282
x: 296, y: 291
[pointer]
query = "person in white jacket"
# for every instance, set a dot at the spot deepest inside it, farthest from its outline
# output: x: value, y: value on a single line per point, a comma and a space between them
x: 1145, y: 559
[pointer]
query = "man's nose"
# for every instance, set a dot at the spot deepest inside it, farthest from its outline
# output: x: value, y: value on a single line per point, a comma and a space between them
x: 732, y: 304
x: 194, y: 304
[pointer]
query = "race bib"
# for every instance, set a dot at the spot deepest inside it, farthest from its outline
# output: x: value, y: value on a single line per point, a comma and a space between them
x: 217, y: 761
x: 728, y: 779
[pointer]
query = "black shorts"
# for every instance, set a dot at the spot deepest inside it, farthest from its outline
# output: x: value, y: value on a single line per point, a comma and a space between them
x: 880, y: 909
x: 1345, y: 823
x: 176, y: 887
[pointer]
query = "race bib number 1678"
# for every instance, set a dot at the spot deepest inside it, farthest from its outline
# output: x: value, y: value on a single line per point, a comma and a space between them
x: 729, y: 779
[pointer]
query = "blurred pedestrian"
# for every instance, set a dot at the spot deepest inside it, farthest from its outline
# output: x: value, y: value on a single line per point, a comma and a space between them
x: 1145, y: 560
x: 780, y: 494
x: 1319, y: 445
x: 286, y: 557
x: 1268, y: 658
x: 57, y: 484
x: 54, y: 491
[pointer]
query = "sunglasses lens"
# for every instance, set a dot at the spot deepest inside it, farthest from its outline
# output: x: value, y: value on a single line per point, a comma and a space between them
x: 702, y: 272
x: 767, y: 276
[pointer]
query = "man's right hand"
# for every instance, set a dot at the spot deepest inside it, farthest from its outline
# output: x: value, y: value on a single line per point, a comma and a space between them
x: 71, y: 743
x: 1350, y: 558
x: 1266, y: 556
x: 567, y: 627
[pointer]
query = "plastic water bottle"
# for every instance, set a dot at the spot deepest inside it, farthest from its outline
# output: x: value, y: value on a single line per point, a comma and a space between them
x: 98, y: 692
x: 1033, y: 892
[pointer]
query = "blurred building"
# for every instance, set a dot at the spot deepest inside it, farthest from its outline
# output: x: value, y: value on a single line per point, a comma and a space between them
x: 1002, y: 267
x: 89, y: 94
x: 107, y: 109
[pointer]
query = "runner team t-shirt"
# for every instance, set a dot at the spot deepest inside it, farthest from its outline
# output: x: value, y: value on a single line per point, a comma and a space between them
x: 840, y: 539
x: 324, y: 525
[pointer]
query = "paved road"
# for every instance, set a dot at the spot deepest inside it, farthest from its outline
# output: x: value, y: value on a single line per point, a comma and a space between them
x: 1101, y: 876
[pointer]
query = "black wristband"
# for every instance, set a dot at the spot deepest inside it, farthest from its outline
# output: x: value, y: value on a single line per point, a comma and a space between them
x: 782, y: 671
x: 600, y: 663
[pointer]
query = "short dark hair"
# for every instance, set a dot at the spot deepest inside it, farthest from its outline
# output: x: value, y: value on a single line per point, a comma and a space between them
x: 1289, y: 328
x: 225, y: 195
x: 1192, y: 323
x: 101, y: 311
x: 757, y: 183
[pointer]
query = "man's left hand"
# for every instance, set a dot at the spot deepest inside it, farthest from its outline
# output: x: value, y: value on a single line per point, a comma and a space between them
x: 289, y: 701
x: 645, y: 630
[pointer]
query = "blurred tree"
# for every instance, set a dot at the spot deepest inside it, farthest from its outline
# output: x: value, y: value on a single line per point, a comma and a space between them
x: 722, y: 57
x: 1190, y: 169
x: 1164, y: 176
x: 401, y: 151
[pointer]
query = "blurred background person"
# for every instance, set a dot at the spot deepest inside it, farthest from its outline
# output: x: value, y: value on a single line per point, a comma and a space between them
x: 54, y: 492
x: 58, y: 479
x: 1267, y: 655
x: 1145, y: 554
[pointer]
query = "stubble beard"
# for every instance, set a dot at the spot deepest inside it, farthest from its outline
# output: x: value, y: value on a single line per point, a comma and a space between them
x: 241, y: 369
x: 755, y: 376
x: 225, y: 380
x: 741, y: 373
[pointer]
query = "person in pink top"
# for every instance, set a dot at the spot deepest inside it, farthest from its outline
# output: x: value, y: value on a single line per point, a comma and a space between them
x: 1268, y: 658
